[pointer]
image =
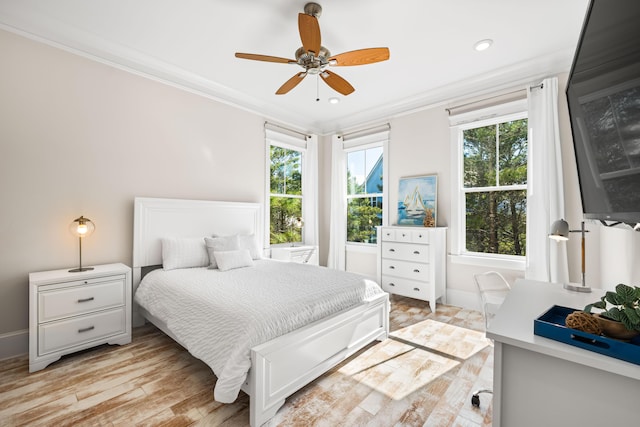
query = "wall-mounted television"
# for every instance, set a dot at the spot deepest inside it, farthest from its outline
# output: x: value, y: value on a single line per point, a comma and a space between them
x: 603, y: 94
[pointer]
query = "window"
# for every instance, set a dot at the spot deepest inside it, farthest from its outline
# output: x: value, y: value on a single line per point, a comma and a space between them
x: 291, y: 186
x: 491, y: 177
x: 285, y: 195
x: 364, y: 193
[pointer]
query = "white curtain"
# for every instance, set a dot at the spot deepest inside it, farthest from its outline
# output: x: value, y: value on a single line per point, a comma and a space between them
x: 310, y: 191
x: 338, y: 217
x: 546, y: 259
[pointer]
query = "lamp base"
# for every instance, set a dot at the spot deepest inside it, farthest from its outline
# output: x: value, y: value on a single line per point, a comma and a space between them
x: 78, y: 270
x: 577, y: 288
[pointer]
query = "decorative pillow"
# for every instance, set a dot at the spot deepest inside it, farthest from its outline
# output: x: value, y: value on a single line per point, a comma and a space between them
x: 215, y: 244
x: 183, y: 253
x: 228, y: 260
x: 251, y: 243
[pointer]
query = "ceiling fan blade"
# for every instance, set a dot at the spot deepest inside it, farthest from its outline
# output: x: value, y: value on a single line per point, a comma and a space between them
x: 291, y: 83
x: 361, y: 56
x: 309, y: 32
x: 336, y: 82
x: 266, y: 58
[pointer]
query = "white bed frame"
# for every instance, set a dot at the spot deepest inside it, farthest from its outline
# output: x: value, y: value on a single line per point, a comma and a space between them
x: 285, y: 364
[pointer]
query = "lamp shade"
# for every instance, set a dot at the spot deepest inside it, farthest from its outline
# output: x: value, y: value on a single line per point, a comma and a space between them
x: 81, y: 227
x: 559, y: 230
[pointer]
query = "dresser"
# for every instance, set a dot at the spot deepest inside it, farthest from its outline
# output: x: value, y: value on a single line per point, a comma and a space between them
x: 74, y: 311
x: 412, y: 262
x: 299, y: 254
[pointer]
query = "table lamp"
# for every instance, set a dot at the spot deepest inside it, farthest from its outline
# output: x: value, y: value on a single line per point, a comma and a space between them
x: 81, y: 227
x: 560, y: 231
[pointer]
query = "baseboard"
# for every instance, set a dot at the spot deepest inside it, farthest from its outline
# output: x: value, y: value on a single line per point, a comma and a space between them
x: 463, y: 299
x: 14, y: 344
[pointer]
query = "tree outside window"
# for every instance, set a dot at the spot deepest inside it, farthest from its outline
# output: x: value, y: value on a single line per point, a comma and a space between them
x: 364, y: 194
x: 285, y: 180
x: 495, y: 187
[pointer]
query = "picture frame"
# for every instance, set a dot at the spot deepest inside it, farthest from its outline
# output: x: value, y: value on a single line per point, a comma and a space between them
x: 418, y: 200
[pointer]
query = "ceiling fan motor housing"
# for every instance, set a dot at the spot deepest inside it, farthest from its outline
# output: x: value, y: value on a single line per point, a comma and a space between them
x: 313, y: 9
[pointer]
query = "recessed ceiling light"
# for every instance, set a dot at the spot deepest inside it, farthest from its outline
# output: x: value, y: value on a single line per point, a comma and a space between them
x: 483, y: 45
x: 334, y: 100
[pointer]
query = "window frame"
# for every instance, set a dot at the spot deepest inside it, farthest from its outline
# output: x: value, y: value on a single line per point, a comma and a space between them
x: 458, y: 124
x: 349, y: 145
x: 300, y: 144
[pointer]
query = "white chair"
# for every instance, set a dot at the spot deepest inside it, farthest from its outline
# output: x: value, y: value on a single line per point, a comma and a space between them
x: 492, y: 290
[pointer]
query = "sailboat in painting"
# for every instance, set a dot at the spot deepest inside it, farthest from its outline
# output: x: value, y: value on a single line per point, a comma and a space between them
x: 414, y: 206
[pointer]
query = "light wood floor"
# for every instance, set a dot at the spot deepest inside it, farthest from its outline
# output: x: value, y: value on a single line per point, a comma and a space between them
x: 424, y: 375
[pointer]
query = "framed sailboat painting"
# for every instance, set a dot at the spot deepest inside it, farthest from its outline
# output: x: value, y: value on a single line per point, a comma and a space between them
x: 418, y: 200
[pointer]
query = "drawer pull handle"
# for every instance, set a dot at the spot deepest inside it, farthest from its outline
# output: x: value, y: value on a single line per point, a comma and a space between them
x: 392, y: 267
x: 416, y: 252
x: 416, y: 289
x: 86, y: 299
x: 420, y: 236
x: 403, y: 235
x: 392, y: 250
x: 415, y: 270
x: 90, y: 328
x: 392, y: 284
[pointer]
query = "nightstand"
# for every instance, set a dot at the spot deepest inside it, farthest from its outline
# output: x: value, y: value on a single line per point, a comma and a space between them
x: 299, y: 254
x: 74, y: 311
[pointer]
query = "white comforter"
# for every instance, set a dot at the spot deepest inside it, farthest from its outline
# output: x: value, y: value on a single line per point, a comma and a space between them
x: 221, y: 315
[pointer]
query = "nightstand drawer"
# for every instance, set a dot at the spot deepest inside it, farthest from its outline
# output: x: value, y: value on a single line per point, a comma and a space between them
x: 405, y: 269
x: 405, y: 251
x: 63, y: 334
x: 87, y: 297
x: 405, y: 287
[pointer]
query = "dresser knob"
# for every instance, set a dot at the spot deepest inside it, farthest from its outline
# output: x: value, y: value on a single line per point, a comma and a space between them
x: 392, y: 250
x: 416, y: 289
x: 392, y: 267
x: 415, y: 270
x: 392, y: 284
x: 416, y: 252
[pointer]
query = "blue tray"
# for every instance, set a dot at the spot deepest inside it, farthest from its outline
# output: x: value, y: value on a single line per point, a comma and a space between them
x: 552, y: 325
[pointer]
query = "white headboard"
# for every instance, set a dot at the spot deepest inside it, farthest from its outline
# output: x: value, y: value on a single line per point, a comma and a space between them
x: 157, y: 218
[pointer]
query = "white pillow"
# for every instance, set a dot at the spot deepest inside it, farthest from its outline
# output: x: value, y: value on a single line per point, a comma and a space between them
x: 183, y: 253
x: 228, y: 260
x: 251, y: 243
x: 215, y: 244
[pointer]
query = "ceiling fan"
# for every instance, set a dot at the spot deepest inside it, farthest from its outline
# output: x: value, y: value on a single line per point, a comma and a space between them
x: 315, y: 58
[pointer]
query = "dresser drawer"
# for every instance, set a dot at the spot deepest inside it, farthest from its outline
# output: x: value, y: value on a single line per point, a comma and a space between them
x: 78, y: 330
x: 405, y: 234
x: 86, y: 297
x: 406, y: 287
x: 405, y: 269
x: 405, y: 251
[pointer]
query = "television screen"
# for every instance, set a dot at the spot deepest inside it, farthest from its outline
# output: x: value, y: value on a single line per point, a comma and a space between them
x: 603, y: 93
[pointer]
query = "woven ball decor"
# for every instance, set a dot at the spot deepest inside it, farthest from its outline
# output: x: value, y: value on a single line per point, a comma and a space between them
x: 584, y: 322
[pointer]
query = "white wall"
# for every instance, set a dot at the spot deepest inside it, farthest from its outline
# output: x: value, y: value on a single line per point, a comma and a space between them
x: 78, y: 137
x: 419, y: 145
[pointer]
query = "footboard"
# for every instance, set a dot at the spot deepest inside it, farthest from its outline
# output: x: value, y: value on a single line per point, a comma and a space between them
x: 282, y: 366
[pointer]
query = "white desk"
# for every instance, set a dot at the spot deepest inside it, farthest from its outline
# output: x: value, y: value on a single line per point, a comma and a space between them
x: 542, y: 382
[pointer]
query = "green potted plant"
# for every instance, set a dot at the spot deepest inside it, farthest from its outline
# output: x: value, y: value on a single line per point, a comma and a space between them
x: 620, y: 315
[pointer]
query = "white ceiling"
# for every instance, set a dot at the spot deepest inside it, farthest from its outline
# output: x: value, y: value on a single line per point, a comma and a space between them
x: 192, y: 43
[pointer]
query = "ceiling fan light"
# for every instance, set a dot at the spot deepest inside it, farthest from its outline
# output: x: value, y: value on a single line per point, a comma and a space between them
x: 334, y: 100
x: 483, y: 45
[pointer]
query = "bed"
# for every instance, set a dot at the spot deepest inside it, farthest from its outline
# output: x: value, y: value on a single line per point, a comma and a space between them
x: 285, y: 363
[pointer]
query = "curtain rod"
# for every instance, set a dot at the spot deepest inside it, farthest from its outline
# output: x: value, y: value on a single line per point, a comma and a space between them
x: 538, y: 86
x: 273, y: 125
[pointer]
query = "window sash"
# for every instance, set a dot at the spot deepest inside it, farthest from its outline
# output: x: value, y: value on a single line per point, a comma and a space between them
x: 459, y: 124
